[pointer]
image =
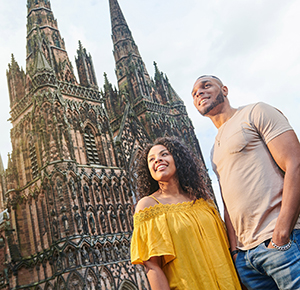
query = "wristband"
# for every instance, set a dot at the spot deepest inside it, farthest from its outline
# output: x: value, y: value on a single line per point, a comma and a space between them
x: 234, y: 252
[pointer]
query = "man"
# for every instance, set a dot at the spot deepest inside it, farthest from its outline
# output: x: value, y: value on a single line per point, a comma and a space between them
x: 256, y: 157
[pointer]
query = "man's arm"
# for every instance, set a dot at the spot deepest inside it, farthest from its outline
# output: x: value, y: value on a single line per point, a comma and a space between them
x: 155, y: 274
x: 230, y: 232
x: 232, y: 239
x: 285, y: 150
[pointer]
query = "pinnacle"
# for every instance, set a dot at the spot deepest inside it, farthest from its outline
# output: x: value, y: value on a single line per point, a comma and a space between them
x: 1, y: 165
x: 116, y: 15
x: 12, y: 58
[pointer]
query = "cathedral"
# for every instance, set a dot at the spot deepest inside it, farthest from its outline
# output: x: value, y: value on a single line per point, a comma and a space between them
x: 67, y: 196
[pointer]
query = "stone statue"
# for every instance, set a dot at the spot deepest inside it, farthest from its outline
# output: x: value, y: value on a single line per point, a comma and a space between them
x: 71, y: 258
x: 58, y: 263
x: 59, y: 188
x: 65, y: 222
x: 122, y: 218
x: 97, y: 192
x: 55, y: 228
x: 92, y: 223
x: 108, y: 255
x: 106, y: 192
x: 85, y: 256
x: 72, y: 188
x: 113, y: 221
x: 116, y: 192
x: 86, y: 191
x: 98, y: 255
x: 103, y: 221
x: 125, y: 190
x: 78, y: 221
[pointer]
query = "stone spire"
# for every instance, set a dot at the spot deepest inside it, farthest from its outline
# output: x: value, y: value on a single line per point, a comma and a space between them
x: 85, y: 68
x: 116, y: 16
x: 43, y: 36
x: 16, y: 82
x: 164, y: 88
x: 2, y: 170
x: 130, y: 68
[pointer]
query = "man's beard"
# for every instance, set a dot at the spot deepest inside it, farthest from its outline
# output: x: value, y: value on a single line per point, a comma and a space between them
x: 219, y: 99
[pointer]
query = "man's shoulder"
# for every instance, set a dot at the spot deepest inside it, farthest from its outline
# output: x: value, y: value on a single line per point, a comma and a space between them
x: 259, y: 108
x: 258, y: 105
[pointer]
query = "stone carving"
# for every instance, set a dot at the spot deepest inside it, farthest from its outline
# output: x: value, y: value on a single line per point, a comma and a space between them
x: 72, y: 188
x: 65, y: 222
x: 125, y: 191
x: 78, y: 221
x: 55, y: 227
x: 122, y: 218
x: 113, y: 219
x: 59, y: 189
x: 86, y: 192
x: 71, y: 258
x: 116, y: 192
x: 130, y: 216
x: 106, y: 192
x: 116, y: 252
x: 102, y: 220
x: 98, y: 255
x: 124, y: 251
x: 59, y: 264
x: 97, y: 192
x: 108, y: 252
x: 55, y: 39
x: 85, y: 256
x: 91, y: 283
x: 92, y: 223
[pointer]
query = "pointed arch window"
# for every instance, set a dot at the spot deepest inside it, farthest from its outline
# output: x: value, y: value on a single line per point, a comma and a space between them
x: 91, y: 148
x: 33, y: 159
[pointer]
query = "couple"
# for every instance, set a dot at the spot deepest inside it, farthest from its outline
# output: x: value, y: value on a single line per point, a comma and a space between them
x: 178, y: 234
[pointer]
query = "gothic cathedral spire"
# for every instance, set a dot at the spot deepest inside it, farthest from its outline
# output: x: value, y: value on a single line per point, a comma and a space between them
x: 43, y: 37
x: 130, y: 68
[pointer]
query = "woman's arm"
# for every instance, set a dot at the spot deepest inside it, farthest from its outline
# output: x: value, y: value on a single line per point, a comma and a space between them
x: 156, y: 276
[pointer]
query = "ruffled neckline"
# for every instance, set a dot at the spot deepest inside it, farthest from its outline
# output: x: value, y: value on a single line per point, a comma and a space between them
x: 168, y: 205
x: 160, y: 208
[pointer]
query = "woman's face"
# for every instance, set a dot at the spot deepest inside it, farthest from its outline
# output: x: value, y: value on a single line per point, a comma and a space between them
x: 161, y: 163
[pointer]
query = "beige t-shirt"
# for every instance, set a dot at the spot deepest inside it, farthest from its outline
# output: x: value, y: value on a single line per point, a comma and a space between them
x: 250, y: 180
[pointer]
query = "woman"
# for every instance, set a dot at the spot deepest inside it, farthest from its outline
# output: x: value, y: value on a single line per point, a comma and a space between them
x: 178, y: 234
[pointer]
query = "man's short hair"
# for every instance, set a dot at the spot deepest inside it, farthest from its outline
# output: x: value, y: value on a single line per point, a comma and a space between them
x: 211, y: 76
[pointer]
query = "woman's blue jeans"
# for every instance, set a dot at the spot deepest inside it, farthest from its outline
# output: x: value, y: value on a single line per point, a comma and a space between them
x: 268, y: 269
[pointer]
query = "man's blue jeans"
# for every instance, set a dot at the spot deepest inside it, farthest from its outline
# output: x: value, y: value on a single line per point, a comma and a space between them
x: 268, y: 269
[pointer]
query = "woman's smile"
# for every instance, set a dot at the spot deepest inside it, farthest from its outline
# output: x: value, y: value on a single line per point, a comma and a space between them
x: 161, y: 163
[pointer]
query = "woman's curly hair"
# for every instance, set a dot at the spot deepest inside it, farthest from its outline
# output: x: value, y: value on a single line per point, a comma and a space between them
x: 190, y: 174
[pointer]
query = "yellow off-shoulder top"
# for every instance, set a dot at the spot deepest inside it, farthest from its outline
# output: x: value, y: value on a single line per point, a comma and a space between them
x: 192, y: 240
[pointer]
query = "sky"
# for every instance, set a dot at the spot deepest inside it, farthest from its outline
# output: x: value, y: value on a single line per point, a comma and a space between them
x: 253, y: 46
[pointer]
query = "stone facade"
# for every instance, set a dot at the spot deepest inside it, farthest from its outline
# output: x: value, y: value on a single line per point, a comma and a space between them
x: 67, y: 195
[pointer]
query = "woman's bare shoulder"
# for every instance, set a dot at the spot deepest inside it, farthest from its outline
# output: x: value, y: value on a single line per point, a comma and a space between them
x: 145, y: 202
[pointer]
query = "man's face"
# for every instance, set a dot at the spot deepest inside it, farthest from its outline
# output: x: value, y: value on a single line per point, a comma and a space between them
x: 207, y: 94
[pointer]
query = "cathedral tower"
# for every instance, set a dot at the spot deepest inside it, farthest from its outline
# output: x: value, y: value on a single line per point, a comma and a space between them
x: 67, y: 195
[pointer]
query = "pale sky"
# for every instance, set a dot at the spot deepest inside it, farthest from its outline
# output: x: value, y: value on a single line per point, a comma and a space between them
x: 252, y: 45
